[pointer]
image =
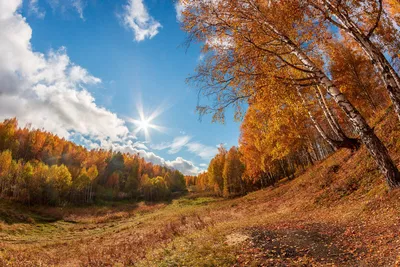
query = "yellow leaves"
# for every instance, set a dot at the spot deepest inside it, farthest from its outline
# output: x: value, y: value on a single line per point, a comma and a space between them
x: 275, y: 48
x: 5, y: 162
x: 393, y: 6
x: 272, y: 131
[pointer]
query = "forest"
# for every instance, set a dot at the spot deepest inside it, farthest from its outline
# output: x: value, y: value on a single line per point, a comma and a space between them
x: 305, y: 86
x: 37, y: 167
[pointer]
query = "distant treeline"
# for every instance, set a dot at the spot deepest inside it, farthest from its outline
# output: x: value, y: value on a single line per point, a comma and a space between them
x: 230, y: 174
x: 37, y: 167
x: 224, y: 176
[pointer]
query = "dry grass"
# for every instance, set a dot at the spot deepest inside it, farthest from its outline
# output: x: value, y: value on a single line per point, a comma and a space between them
x: 339, y: 212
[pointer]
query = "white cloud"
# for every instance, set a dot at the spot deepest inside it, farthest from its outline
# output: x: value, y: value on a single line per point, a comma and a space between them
x: 79, y: 6
x: 47, y: 90
x: 203, y: 151
x: 184, y: 166
x: 137, y: 18
x: 50, y: 92
x: 34, y: 9
x: 7, y: 8
x: 175, y: 146
x: 140, y: 145
x: 62, y: 5
x: 180, y: 164
x: 220, y: 44
x: 179, y: 8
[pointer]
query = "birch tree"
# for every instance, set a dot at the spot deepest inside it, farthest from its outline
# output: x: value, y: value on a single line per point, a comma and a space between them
x: 255, y: 32
x: 366, y: 22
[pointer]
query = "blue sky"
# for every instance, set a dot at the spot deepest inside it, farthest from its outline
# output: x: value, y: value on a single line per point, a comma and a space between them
x: 80, y: 68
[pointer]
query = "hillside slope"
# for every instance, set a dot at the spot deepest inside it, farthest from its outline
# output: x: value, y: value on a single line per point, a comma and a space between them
x: 339, y: 212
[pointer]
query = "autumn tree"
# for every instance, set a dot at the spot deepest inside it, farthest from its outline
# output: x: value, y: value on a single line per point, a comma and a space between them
x: 275, y: 141
x: 367, y: 23
x: 59, y: 181
x: 155, y: 189
x: 215, y: 171
x: 232, y: 173
x: 175, y: 181
x: 5, y: 169
x: 38, y: 183
x: 197, y: 183
x: 251, y: 32
x: 133, y: 181
x: 8, y: 139
x: 393, y: 8
x: 355, y: 75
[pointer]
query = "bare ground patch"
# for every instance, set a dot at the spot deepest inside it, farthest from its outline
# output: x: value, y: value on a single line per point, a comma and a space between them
x: 316, y: 245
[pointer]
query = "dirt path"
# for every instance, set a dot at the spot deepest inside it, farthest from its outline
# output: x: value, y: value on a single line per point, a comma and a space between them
x: 314, y: 244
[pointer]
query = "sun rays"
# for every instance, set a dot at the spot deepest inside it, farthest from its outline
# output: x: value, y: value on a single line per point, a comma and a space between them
x: 144, y: 123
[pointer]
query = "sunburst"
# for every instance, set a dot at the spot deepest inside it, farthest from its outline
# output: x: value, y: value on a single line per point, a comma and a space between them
x: 144, y: 123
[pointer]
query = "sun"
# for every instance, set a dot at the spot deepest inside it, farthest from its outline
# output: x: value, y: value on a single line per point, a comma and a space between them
x: 144, y: 123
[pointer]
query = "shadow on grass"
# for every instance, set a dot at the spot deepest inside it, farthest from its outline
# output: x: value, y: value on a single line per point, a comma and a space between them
x: 13, y: 215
